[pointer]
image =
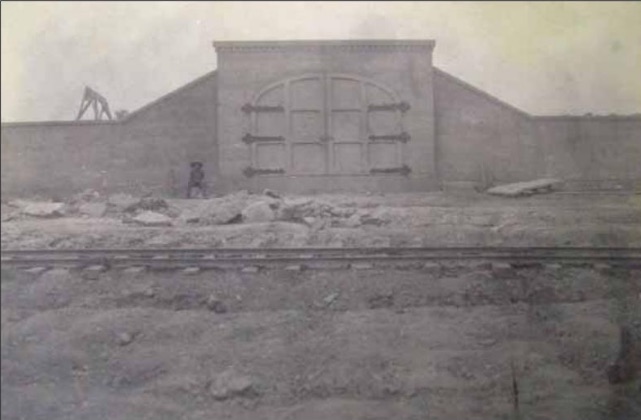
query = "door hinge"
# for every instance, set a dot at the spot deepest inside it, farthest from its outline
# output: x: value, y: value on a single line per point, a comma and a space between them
x: 399, y: 106
x: 250, y: 172
x: 403, y: 137
x: 403, y: 170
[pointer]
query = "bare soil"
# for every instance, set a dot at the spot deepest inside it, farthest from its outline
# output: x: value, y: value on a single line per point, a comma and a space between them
x: 366, y: 344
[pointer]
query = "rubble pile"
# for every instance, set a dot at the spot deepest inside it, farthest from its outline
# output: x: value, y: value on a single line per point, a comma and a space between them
x: 244, y: 219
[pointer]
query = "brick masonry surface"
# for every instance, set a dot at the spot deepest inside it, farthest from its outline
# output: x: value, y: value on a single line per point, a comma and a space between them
x: 458, y: 134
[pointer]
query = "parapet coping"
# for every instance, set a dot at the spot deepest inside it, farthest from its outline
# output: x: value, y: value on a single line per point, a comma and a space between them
x: 313, y: 45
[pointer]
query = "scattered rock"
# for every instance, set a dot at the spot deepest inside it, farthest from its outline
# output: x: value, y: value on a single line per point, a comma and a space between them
x: 134, y: 270
x: 294, y: 267
x: 150, y: 218
x: 36, y: 270
x: 524, y: 188
x: 8, y: 213
x: 377, y: 218
x: 432, y: 267
x: 224, y: 213
x: 329, y: 299
x: 258, y: 212
x: 361, y: 266
x: 190, y: 217
x: 124, y: 339
x: 381, y: 301
x: 501, y: 266
x: 191, y: 270
x: 553, y: 266
x: 353, y: 221
x: 272, y: 194
x: 44, y: 209
x: 249, y: 269
x: 163, y: 240
x: 87, y: 195
x: 231, y: 384
x: 19, y: 204
x: 297, y: 209
x: 98, y: 268
x: 93, y: 272
x: 149, y: 203
x: 216, y: 305
x: 93, y: 209
x: 122, y: 201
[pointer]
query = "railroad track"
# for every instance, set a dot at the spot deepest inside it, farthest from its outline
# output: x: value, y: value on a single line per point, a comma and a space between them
x: 230, y: 257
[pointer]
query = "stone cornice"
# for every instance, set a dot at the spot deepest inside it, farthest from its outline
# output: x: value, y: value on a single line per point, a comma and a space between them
x: 356, y: 45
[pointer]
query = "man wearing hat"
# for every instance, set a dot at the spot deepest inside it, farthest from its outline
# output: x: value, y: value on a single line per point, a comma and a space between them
x: 196, y: 180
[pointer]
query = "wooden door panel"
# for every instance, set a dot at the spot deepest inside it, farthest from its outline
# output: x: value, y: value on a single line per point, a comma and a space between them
x: 306, y: 126
x: 346, y: 126
x: 325, y: 124
x: 383, y: 155
x: 383, y: 122
x: 272, y: 97
x: 376, y: 95
x: 309, y: 158
x: 348, y: 158
x: 271, y: 123
x: 270, y: 156
x: 307, y: 94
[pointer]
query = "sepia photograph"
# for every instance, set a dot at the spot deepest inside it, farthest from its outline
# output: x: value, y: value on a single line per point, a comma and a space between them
x: 311, y: 210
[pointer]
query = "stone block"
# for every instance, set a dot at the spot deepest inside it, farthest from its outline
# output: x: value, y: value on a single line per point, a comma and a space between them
x: 44, y: 209
x: 150, y: 218
x: 361, y: 266
x: 93, y: 209
x: 191, y: 270
x: 36, y: 270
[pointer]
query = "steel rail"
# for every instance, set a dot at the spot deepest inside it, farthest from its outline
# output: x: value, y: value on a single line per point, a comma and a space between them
x: 224, y: 256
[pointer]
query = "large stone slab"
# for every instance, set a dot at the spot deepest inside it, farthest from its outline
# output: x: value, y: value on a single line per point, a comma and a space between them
x: 258, y: 212
x: 150, y: 218
x: 44, y: 209
x: 525, y: 188
x: 93, y: 209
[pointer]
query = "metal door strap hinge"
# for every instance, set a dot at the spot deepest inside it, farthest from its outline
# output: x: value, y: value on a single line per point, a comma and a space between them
x: 400, y: 106
x: 249, y: 171
x: 403, y: 170
x: 404, y: 137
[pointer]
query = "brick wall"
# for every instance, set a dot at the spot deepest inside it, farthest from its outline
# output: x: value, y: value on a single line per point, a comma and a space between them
x: 150, y: 151
x: 463, y: 135
x: 592, y: 152
x: 479, y: 138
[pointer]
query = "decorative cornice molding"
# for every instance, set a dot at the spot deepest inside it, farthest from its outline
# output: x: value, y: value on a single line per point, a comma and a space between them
x: 356, y: 45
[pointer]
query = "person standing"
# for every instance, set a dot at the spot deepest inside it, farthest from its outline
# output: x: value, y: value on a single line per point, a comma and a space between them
x: 196, y: 180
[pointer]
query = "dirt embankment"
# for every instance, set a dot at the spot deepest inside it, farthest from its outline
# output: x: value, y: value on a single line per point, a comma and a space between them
x: 406, y: 344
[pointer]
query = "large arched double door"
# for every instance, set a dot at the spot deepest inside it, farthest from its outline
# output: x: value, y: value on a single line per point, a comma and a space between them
x: 320, y: 124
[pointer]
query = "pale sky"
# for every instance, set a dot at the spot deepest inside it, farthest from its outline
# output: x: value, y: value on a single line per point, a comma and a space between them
x: 543, y: 57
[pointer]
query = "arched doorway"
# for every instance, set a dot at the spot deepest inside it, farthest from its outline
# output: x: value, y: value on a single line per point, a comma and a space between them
x: 325, y: 124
